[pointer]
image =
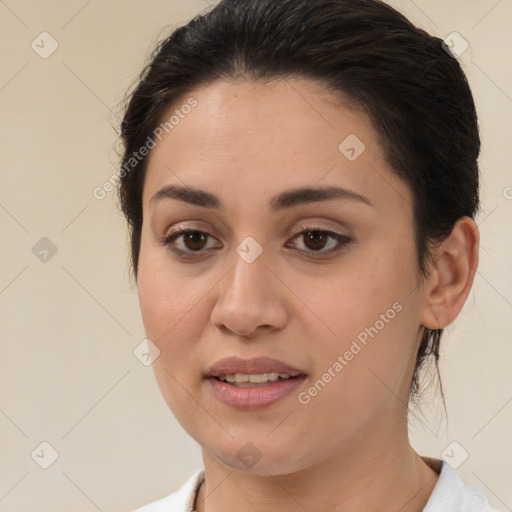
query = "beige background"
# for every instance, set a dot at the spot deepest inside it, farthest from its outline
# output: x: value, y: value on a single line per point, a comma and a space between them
x: 69, y: 325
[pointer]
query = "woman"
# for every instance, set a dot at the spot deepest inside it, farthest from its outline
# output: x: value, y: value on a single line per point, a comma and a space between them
x: 300, y: 181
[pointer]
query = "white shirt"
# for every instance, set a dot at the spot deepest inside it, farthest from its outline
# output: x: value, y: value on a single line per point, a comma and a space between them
x: 449, y: 495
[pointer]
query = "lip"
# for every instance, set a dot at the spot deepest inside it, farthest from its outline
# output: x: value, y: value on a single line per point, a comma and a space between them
x: 258, y: 396
x: 232, y: 365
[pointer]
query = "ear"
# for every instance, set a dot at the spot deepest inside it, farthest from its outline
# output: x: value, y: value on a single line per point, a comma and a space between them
x: 452, y: 274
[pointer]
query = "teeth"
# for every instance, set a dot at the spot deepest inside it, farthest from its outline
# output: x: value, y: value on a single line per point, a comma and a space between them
x: 258, y: 378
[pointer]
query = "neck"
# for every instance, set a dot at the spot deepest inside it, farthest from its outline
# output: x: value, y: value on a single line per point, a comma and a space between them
x: 385, y: 474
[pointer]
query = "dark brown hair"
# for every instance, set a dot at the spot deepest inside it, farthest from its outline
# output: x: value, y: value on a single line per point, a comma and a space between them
x: 404, y: 79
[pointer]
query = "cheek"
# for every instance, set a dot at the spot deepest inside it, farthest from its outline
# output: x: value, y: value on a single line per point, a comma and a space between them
x: 346, y: 298
x: 173, y: 304
x: 175, y: 309
x: 361, y: 378
x: 369, y: 318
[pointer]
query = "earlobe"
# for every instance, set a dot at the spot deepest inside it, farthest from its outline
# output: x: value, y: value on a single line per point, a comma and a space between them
x: 452, y: 275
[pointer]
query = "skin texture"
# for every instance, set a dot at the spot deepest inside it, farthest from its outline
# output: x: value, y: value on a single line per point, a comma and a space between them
x: 347, y: 449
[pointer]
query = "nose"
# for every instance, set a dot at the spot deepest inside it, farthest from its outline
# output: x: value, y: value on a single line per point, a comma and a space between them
x: 251, y: 299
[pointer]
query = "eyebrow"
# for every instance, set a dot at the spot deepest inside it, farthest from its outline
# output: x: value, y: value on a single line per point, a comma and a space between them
x: 282, y: 201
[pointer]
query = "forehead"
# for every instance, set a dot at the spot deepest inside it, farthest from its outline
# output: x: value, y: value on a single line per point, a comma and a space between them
x: 249, y: 137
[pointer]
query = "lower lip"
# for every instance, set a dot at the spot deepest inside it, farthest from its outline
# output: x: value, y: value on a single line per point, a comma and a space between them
x: 256, y: 397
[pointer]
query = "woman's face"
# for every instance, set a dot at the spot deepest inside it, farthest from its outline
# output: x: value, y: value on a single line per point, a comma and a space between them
x: 337, y: 310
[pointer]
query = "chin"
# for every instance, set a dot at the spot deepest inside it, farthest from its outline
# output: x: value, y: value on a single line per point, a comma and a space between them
x: 258, y: 456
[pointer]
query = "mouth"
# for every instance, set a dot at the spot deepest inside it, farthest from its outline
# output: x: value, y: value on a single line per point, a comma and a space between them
x: 256, y: 367
x: 250, y: 384
x: 242, y: 380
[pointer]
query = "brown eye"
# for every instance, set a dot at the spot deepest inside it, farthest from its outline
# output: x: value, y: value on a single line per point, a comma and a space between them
x: 320, y: 241
x: 195, y: 240
x: 186, y: 242
x: 315, y: 240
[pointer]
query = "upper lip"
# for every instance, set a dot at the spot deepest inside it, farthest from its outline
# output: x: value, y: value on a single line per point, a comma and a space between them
x: 257, y: 365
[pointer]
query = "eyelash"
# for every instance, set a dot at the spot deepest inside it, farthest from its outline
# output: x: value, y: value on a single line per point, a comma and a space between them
x: 342, y: 240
